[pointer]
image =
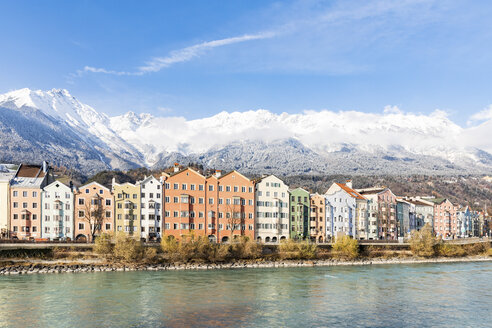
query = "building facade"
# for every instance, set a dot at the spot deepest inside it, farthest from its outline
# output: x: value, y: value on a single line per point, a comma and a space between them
x: 445, y: 219
x: 300, y: 209
x: 272, y: 210
x: 5, y: 177
x: 236, y: 205
x: 57, y: 212
x: 25, y: 198
x: 317, y: 220
x: 150, y: 208
x: 345, y: 213
x: 94, y: 211
x: 127, y: 208
x: 383, y: 209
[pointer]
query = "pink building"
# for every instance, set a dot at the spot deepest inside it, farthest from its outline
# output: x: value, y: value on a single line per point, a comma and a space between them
x: 445, y: 219
x: 25, y: 200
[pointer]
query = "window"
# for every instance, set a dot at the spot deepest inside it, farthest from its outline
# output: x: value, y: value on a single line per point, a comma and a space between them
x: 24, y: 205
x: 16, y: 216
x: 24, y: 194
x: 142, y: 195
x: 35, y: 205
x: 108, y: 214
x: 135, y: 196
x: 210, y: 187
x: 34, y: 194
x: 201, y: 187
x: 221, y: 188
x: 183, y: 186
x: 167, y: 186
x: 166, y: 226
x: 81, y: 226
x: 34, y: 229
x: 210, y: 201
x: 200, y: 200
x: 16, y: 205
x: 81, y: 214
x: 176, y: 186
x: 15, y: 193
x: 236, y: 189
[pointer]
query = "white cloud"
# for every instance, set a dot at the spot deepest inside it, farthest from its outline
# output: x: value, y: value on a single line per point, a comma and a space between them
x: 179, y: 56
x: 483, y: 115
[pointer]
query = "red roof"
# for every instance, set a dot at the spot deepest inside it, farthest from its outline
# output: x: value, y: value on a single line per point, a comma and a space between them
x: 350, y: 191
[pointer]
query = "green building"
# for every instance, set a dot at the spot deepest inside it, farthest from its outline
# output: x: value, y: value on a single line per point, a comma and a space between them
x: 299, y: 214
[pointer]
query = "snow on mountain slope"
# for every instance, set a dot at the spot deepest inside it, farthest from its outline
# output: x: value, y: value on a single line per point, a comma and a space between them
x: 86, y: 122
x: 322, y: 139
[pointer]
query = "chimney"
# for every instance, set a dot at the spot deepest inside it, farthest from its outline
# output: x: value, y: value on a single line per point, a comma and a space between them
x: 218, y: 173
x: 45, y: 166
x: 113, y: 182
x: 176, y: 167
x: 71, y: 185
x: 348, y: 183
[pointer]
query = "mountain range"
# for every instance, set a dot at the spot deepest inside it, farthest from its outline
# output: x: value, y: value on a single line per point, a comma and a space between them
x: 55, y: 126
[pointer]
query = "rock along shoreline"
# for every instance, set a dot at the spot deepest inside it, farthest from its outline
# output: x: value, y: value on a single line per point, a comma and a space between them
x: 40, y: 268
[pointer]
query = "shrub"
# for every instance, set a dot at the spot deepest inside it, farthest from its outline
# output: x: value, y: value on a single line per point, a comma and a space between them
x: 102, y: 245
x: 346, y: 247
x: 489, y: 252
x: 127, y: 248
x: 245, y: 249
x: 290, y: 250
x: 150, y: 254
x: 477, y: 248
x: 423, y: 243
x: 450, y: 250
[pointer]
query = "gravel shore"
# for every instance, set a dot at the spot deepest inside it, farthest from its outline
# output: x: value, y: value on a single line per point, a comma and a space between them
x: 35, y: 268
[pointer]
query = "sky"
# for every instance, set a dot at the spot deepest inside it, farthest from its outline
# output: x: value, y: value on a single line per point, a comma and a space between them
x: 197, y: 58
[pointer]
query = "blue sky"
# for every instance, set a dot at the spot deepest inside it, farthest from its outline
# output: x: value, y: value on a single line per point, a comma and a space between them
x: 197, y: 58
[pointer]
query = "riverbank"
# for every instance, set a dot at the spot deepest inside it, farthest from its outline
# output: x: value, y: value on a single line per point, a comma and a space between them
x: 40, y: 267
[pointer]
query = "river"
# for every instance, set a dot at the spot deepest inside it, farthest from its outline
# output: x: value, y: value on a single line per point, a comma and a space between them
x: 419, y: 295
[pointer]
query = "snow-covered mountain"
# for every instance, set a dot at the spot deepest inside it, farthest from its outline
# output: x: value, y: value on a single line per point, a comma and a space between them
x: 55, y: 125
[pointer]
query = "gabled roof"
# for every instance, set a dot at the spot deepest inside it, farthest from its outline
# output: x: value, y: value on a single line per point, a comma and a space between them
x: 147, y: 179
x: 299, y: 188
x: 184, y: 170
x: 350, y: 191
x: 91, y: 183
x: 54, y: 183
x: 236, y: 172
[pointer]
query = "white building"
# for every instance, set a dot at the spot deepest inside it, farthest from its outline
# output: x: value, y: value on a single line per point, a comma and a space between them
x: 272, y: 209
x: 150, y: 208
x: 57, y: 211
x: 346, y: 212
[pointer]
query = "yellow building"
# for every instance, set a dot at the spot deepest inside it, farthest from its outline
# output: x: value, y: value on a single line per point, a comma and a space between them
x: 127, y: 208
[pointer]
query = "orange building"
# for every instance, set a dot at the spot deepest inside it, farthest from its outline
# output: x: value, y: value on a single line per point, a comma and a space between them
x: 317, y: 219
x: 236, y: 208
x: 94, y: 211
x: 216, y: 206
x: 25, y: 197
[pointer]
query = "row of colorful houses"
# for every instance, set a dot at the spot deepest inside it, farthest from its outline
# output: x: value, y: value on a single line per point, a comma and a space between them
x: 34, y: 205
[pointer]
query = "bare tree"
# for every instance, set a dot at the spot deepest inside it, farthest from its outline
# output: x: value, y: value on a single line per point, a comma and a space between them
x: 94, y: 215
x: 233, y: 216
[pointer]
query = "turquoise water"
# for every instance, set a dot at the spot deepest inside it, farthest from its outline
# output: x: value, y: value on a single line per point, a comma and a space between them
x: 421, y: 295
